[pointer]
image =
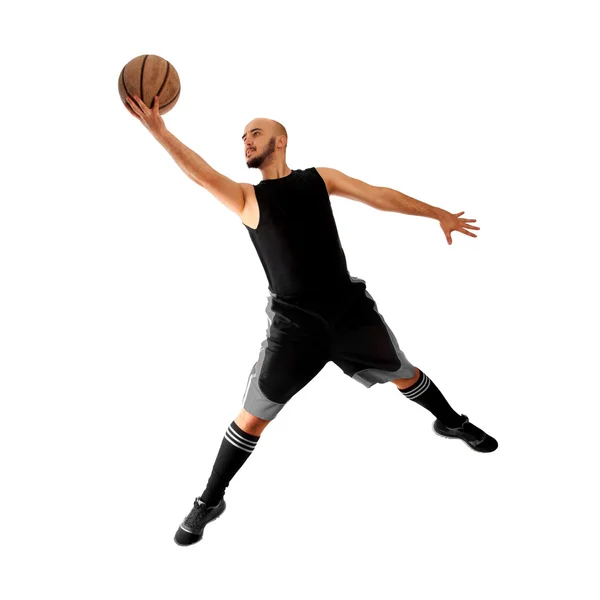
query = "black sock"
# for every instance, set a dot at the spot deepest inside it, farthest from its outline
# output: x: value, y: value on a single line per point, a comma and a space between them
x: 425, y: 393
x: 236, y: 447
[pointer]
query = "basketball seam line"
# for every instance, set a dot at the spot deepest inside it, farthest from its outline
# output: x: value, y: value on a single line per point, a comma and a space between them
x: 142, y: 78
x: 164, y: 81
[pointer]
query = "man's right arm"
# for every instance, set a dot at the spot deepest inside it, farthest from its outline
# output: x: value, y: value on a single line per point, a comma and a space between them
x: 227, y: 191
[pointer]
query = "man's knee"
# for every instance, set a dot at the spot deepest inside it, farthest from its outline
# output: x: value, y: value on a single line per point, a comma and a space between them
x: 405, y: 383
x: 249, y: 423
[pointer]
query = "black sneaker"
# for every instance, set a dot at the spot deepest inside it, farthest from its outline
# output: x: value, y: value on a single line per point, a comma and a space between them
x: 474, y: 437
x: 191, y: 529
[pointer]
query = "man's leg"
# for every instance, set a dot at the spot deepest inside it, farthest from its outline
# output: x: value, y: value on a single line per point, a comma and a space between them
x: 423, y: 391
x: 289, y: 358
x: 240, y: 439
x: 251, y: 424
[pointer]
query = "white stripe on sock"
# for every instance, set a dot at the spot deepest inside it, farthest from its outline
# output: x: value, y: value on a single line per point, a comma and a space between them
x: 236, y: 444
x: 421, y: 389
x: 236, y: 436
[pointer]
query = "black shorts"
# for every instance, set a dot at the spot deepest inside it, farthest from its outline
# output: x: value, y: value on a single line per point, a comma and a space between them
x: 305, y: 333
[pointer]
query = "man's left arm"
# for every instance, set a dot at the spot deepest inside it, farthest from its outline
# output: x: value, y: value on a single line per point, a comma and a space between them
x: 387, y: 199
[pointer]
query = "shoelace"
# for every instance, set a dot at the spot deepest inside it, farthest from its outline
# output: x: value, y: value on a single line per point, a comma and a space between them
x: 473, y: 433
x: 197, y: 511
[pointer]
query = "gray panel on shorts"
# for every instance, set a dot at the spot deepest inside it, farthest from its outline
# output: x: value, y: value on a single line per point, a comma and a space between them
x: 254, y: 400
x: 369, y: 377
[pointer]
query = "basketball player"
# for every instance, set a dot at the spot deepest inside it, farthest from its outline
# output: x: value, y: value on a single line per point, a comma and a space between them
x: 317, y: 311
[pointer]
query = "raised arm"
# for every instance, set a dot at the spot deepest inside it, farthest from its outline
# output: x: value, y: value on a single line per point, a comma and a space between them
x: 227, y: 191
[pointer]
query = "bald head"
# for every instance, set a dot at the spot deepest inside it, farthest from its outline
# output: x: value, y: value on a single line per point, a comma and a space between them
x: 270, y: 127
x: 278, y: 128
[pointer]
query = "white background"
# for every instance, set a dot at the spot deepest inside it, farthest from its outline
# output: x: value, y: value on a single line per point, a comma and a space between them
x: 133, y: 302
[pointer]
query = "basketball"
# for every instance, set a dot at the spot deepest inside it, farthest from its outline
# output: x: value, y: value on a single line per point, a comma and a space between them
x: 147, y: 76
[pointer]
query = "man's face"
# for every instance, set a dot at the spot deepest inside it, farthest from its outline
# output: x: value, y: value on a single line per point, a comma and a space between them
x: 257, y: 147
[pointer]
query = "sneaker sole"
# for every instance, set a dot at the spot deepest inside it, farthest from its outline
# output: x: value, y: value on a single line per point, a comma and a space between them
x: 456, y: 437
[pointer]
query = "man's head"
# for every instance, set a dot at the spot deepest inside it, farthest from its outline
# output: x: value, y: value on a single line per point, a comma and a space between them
x: 267, y: 139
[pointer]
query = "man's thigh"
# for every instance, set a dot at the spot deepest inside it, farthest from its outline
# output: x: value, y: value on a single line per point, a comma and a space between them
x: 364, y: 346
x: 294, y: 351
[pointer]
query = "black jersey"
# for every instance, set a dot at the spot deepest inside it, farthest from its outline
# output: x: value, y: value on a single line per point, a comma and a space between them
x: 297, y: 239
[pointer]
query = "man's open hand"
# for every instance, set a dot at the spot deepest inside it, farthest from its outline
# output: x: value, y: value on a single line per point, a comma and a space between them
x: 450, y: 222
x: 150, y: 117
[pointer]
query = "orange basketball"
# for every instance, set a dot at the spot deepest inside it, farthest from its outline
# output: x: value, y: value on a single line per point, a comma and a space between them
x: 147, y: 76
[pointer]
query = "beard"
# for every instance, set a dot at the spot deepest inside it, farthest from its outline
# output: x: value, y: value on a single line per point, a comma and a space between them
x: 257, y: 161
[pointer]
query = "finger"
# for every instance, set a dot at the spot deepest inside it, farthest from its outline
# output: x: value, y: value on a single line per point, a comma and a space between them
x: 468, y: 233
x: 142, y: 105
x: 471, y: 226
x: 136, y: 109
x: 135, y: 104
x: 156, y: 105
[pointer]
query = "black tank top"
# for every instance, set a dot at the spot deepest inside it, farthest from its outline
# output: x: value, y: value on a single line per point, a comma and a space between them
x: 297, y: 239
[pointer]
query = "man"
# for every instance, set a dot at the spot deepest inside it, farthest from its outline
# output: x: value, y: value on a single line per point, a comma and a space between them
x: 317, y: 311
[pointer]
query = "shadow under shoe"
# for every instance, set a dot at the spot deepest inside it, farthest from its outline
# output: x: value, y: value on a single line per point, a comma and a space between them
x: 192, y: 527
x: 475, y: 438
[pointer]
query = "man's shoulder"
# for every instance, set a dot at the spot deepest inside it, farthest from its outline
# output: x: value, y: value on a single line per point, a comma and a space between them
x: 327, y: 175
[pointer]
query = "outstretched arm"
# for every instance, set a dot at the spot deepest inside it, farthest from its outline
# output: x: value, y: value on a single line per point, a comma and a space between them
x: 387, y: 199
x: 228, y: 192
